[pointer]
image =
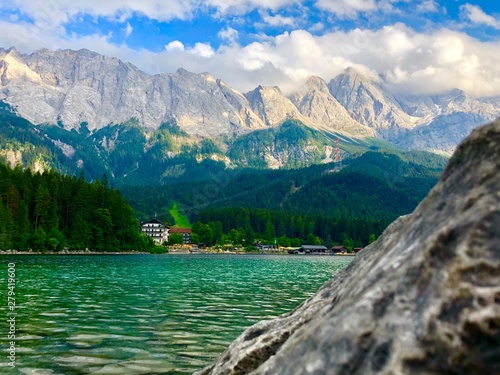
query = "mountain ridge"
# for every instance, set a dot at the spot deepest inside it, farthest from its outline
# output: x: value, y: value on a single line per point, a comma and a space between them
x: 74, y: 87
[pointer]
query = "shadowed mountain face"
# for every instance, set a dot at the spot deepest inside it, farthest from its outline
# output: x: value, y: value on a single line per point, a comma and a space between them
x: 72, y: 88
x: 423, y: 299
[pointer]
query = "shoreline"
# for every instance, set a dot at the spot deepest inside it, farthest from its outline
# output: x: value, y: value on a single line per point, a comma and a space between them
x: 174, y: 252
x: 72, y: 252
x: 14, y: 252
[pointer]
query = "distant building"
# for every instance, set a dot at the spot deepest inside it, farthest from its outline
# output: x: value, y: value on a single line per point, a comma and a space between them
x: 294, y: 250
x: 186, y: 233
x: 155, y: 229
x: 339, y: 249
x: 313, y: 249
x: 357, y: 249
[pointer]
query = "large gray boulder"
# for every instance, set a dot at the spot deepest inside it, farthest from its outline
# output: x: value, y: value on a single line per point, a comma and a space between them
x: 423, y: 299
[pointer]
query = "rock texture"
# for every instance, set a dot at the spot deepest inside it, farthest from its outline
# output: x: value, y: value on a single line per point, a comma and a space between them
x: 315, y: 101
x: 371, y: 104
x: 73, y: 87
x: 423, y: 299
x: 445, y: 119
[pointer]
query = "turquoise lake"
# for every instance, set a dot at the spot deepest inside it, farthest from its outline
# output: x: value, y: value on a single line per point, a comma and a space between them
x: 146, y: 314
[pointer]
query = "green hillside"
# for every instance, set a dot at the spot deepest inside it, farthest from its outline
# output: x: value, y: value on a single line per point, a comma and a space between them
x: 370, y: 192
x: 180, y: 219
x: 162, y: 170
x: 50, y: 211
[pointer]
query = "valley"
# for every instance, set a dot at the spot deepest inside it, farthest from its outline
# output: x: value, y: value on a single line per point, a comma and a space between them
x: 188, y: 148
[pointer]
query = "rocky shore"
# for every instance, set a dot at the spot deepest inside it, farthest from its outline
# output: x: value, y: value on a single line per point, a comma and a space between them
x: 423, y: 299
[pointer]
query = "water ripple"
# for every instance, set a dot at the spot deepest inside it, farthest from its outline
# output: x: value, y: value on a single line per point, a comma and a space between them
x: 147, y: 314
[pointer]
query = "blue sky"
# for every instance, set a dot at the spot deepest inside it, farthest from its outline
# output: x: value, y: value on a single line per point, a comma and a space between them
x: 422, y: 46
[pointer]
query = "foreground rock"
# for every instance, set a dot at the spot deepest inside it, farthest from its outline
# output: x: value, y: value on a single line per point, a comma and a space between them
x: 423, y: 299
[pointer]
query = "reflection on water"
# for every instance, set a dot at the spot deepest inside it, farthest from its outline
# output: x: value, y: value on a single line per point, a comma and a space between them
x: 147, y: 314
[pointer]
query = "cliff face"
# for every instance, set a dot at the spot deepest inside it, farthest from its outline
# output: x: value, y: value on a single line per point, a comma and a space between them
x: 423, y: 299
x: 315, y: 101
x: 370, y: 103
x: 73, y: 87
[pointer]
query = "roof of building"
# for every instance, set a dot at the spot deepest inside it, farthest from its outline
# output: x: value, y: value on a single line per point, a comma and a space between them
x: 314, y: 247
x: 180, y: 230
x: 338, y: 249
x: 153, y: 221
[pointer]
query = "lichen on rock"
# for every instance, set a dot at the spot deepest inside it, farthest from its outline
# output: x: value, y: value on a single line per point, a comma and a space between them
x: 423, y: 299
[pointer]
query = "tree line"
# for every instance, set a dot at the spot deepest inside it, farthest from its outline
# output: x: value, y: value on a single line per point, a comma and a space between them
x: 51, y: 211
x: 244, y: 226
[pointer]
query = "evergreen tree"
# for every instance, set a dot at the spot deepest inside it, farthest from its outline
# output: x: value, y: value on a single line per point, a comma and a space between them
x: 56, y: 240
x: 269, y: 233
x: 37, y: 240
x: 22, y: 228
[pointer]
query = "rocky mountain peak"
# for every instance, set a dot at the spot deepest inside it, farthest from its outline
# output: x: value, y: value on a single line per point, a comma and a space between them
x: 13, y: 68
x: 74, y: 87
x: 9, y: 51
x: 314, y: 101
x: 317, y: 83
x: 183, y: 72
x: 371, y: 104
x: 270, y: 104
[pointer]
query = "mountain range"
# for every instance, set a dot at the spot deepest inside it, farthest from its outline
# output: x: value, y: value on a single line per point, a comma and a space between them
x: 96, y: 112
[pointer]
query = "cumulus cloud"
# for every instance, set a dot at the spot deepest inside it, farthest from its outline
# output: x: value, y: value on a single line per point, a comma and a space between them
x: 475, y: 14
x: 49, y: 13
x: 277, y: 20
x: 347, y: 8
x: 427, y: 6
x: 228, y: 34
x: 202, y: 49
x: 318, y: 26
x: 243, y: 6
x: 46, y: 13
x: 174, y: 46
x: 409, y: 61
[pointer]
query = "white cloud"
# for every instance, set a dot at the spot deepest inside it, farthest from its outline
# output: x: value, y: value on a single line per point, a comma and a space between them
x: 475, y: 14
x: 174, y: 46
x: 277, y: 20
x: 428, y: 6
x: 46, y: 13
x: 347, y: 8
x: 228, y: 34
x: 317, y: 27
x: 409, y: 61
x: 243, y: 6
x: 49, y: 13
x: 202, y: 49
x: 128, y: 30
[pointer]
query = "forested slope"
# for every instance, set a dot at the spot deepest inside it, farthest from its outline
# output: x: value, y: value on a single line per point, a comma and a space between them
x: 51, y: 211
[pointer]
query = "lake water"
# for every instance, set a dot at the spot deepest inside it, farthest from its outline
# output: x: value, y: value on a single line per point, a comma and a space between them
x: 146, y: 314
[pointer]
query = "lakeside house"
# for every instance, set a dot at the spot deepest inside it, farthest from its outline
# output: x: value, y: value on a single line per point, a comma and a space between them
x: 313, y: 249
x: 339, y: 249
x: 309, y: 249
x: 185, y: 232
x: 357, y: 249
x: 155, y: 229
